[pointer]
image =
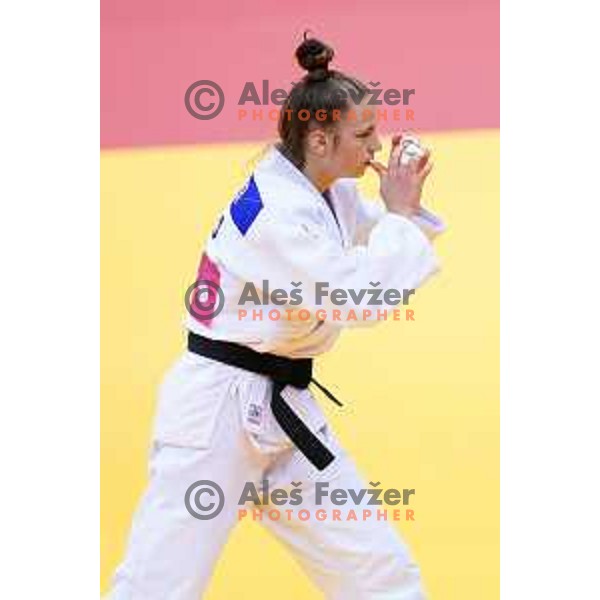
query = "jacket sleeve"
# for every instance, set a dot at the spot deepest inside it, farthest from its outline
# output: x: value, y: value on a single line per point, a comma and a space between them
x: 369, y: 212
x: 288, y: 252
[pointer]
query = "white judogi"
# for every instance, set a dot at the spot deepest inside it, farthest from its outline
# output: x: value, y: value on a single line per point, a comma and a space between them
x: 279, y: 228
x: 214, y: 421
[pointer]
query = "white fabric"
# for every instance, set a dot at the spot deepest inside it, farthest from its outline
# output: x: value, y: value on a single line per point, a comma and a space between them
x: 171, y: 555
x: 369, y: 213
x: 207, y: 425
x: 295, y: 238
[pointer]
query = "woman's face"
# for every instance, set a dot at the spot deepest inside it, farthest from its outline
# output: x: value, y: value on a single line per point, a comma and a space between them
x: 355, y: 141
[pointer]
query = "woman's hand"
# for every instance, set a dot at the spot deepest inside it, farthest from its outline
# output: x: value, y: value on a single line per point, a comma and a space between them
x: 401, y: 185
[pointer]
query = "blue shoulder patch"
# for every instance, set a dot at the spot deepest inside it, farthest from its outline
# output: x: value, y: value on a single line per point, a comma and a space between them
x: 245, y: 207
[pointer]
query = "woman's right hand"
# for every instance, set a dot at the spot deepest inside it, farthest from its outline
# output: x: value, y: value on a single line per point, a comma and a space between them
x: 401, y: 185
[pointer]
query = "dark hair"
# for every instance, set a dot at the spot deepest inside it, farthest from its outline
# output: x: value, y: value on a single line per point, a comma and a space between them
x: 317, y: 91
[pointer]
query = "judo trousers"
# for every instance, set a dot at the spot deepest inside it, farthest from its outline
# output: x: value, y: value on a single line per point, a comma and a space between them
x: 214, y: 424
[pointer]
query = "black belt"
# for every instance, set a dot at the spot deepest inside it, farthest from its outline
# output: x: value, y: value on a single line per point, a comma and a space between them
x: 283, y: 371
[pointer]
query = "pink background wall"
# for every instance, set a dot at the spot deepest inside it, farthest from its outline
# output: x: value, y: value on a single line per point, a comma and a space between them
x: 152, y: 50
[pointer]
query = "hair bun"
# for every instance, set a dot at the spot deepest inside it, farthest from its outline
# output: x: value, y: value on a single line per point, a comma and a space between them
x: 314, y: 56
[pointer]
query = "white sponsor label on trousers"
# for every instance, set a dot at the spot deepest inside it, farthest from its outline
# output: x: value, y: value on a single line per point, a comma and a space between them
x: 254, y: 415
